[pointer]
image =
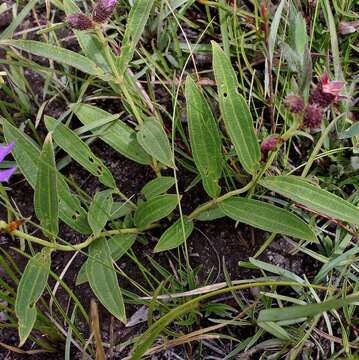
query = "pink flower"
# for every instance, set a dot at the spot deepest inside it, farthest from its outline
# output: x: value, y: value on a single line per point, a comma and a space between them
x: 4, y: 151
x: 103, y: 10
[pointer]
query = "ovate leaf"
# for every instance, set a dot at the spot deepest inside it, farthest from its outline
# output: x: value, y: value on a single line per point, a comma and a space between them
x: 26, y: 154
x: 46, y: 195
x: 314, y: 198
x: 155, y: 209
x: 205, y: 138
x: 30, y: 289
x: 79, y: 151
x: 154, y: 140
x: 118, y: 135
x: 267, y: 217
x: 100, y: 210
x: 157, y: 186
x: 235, y: 111
x: 175, y: 235
x: 137, y: 20
x: 103, y: 280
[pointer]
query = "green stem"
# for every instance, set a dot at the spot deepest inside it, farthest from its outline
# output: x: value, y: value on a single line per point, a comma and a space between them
x: 76, y: 247
x: 119, y: 78
x: 318, y: 146
x: 213, y: 202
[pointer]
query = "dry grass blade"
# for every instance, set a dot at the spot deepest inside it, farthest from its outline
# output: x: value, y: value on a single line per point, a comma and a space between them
x: 95, y: 328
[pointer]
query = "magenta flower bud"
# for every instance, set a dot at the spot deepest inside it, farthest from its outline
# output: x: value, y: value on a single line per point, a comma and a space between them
x: 79, y: 21
x: 313, y: 116
x: 294, y: 103
x: 269, y: 144
x: 4, y: 151
x: 103, y: 10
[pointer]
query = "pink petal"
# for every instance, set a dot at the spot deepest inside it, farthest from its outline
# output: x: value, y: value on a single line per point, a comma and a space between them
x: 6, y: 174
x: 6, y: 150
x: 325, y: 79
x: 334, y: 87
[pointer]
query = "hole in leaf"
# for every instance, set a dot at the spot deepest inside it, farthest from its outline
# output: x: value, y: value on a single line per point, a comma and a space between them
x: 225, y: 94
x: 99, y: 170
x: 75, y: 215
x: 92, y: 159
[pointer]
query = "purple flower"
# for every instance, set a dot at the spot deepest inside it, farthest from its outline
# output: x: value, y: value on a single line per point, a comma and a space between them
x: 313, y: 116
x: 103, y: 10
x: 79, y: 21
x: 4, y: 151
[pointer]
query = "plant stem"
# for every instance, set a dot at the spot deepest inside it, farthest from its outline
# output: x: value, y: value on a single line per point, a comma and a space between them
x: 118, y: 77
x: 318, y: 147
x: 213, y: 202
x: 76, y: 247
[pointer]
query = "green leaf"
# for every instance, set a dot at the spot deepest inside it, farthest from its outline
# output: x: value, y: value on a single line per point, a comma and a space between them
x: 314, y: 198
x: 137, y: 20
x: 103, y: 280
x: 79, y: 151
x: 155, y: 209
x: 8, y: 32
x: 153, y: 139
x: 215, y: 212
x: 26, y: 154
x: 157, y: 186
x: 274, y: 29
x: 46, y: 195
x: 276, y: 270
x: 118, y: 135
x: 205, y: 138
x: 267, y: 217
x: 300, y: 311
x: 57, y: 54
x: 100, y: 211
x: 118, y: 244
x: 30, y: 289
x: 235, y: 111
x: 300, y: 35
x: 275, y: 330
x: 175, y: 235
